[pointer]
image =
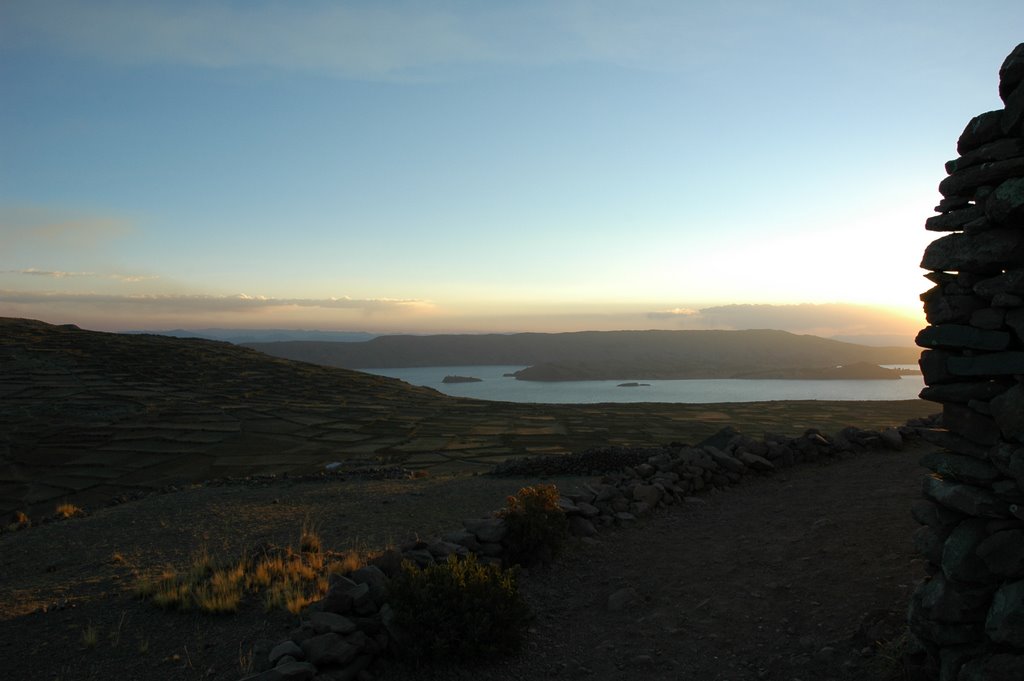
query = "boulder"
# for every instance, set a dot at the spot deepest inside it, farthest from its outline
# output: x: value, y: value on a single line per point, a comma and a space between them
x: 328, y: 649
x: 1005, y: 621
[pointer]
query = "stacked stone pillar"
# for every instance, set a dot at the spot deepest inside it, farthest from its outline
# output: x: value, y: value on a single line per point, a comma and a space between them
x: 968, y: 615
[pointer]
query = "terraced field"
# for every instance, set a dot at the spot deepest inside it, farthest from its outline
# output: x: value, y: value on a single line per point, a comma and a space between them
x: 87, y: 417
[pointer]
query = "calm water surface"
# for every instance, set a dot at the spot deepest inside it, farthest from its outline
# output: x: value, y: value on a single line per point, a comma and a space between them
x: 496, y: 386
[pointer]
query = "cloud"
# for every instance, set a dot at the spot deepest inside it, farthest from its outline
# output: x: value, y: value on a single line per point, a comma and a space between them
x: 673, y: 313
x: 203, y: 303
x: 53, y: 228
x: 57, y: 274
x: 825, y: 319
x: 365, y: 40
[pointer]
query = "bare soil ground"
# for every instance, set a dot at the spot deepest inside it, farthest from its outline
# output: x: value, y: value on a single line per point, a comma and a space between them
x: 797, y: 576
x: 768, y: 580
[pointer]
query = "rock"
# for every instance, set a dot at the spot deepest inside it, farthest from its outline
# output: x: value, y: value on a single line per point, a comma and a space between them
x: 1003, y: 553
x: 757, y: 463
x: 970, y: 500
x: 960, y: 560
x: 1008, y: 412
x: 959, y: 467
x: 724, y: 460
x: 648, y: 494
x: 345, y: 596
x: 970, y: 424
x: 1011, y: 281
x: 935, y: 515
x: 719, y: 440
x: 1005, y: 621
x: 324, y: 622
x: 954, y: 603
x: 980, y: 130
x: 587, y: 510
x: 999, y: 667
x: 374, y: 578
x: 462, y: 537
x: 623, y: 598
x: 962, y: 336
x: 581, y: 527
x: 486, y: 529
x: 288, y: 647
x: 1011, y: 74
x: 964, y: 182
x: 928, y: 541
x: 962, y: 393
x: 440, y: 550
x: 994, y: 364
x: 1005, y: 206
x: 291, y: 671
x: 328, y: 649
x: 983, y: 252
x: 891, y: 438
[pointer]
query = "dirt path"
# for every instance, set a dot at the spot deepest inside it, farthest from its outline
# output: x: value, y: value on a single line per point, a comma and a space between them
x: 769, y: 580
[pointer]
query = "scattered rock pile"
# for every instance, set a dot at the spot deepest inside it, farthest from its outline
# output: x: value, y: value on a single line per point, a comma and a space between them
x: 969, y: 614
x: 341, y: 636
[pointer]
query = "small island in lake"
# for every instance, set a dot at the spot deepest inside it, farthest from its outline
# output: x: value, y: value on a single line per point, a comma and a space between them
x: 633, y: 384
x: 462, y: 379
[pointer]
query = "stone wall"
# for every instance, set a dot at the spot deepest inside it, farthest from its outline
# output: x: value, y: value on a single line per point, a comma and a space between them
x: 968, y: 616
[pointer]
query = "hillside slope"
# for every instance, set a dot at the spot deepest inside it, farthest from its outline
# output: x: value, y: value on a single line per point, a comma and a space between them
x: 601, y: 354
x: 91, y: 417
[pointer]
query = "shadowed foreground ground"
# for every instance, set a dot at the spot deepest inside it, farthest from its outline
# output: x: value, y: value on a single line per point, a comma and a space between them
x: 768, y: 580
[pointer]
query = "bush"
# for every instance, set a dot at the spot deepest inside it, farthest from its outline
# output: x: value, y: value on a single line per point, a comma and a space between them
x: 459, y: 609
x: 536, y: 526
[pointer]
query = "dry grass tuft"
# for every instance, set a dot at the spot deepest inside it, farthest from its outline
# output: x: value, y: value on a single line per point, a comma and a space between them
x: 90, y: 636
x: 20, y: 522
x: 246, y: 660
x: 309, y: 538
x: 66, y: 510
x: 288, y: 579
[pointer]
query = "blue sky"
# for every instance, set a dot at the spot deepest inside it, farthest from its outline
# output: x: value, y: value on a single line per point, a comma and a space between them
x: 488, y: 166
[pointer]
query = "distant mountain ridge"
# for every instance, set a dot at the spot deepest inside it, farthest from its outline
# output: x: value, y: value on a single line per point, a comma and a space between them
x: 601, y: 354
x: 243, y: 336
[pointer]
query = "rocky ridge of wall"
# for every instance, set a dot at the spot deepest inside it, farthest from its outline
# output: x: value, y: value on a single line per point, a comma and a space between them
x: 968, y: 616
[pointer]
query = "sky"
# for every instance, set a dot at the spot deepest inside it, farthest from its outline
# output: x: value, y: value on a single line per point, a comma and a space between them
x: 430, y: 167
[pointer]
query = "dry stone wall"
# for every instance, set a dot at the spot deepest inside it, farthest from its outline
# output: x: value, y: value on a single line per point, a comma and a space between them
x: 968, y: 616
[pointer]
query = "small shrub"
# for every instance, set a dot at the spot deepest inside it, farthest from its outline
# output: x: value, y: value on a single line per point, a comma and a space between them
x: 459, y: 608
x: 90, y: 636
x: 66, y: 510
x: 21, y: 521
x: 309, y: 538
x: 537, y: 526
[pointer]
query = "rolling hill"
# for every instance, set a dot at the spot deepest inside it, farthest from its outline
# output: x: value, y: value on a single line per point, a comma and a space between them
x: 602, y: 354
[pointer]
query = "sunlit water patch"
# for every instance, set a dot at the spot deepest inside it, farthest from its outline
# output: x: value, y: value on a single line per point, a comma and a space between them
x: 494, y: 385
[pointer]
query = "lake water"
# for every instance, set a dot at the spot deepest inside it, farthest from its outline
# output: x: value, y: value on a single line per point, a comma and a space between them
x: 496, y: 386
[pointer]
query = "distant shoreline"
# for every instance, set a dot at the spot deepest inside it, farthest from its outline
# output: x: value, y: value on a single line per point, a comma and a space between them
x: 581, y: 371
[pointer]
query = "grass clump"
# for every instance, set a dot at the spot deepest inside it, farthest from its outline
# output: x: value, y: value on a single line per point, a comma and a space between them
x: 288, y: 579
x: 19, y: 521
x: 66, y: 510
x: 90, y: 636
x: 536, y: 526
x: 460, y: 608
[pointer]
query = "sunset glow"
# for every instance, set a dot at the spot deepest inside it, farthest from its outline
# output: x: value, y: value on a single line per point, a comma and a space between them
x: 439, y: 167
